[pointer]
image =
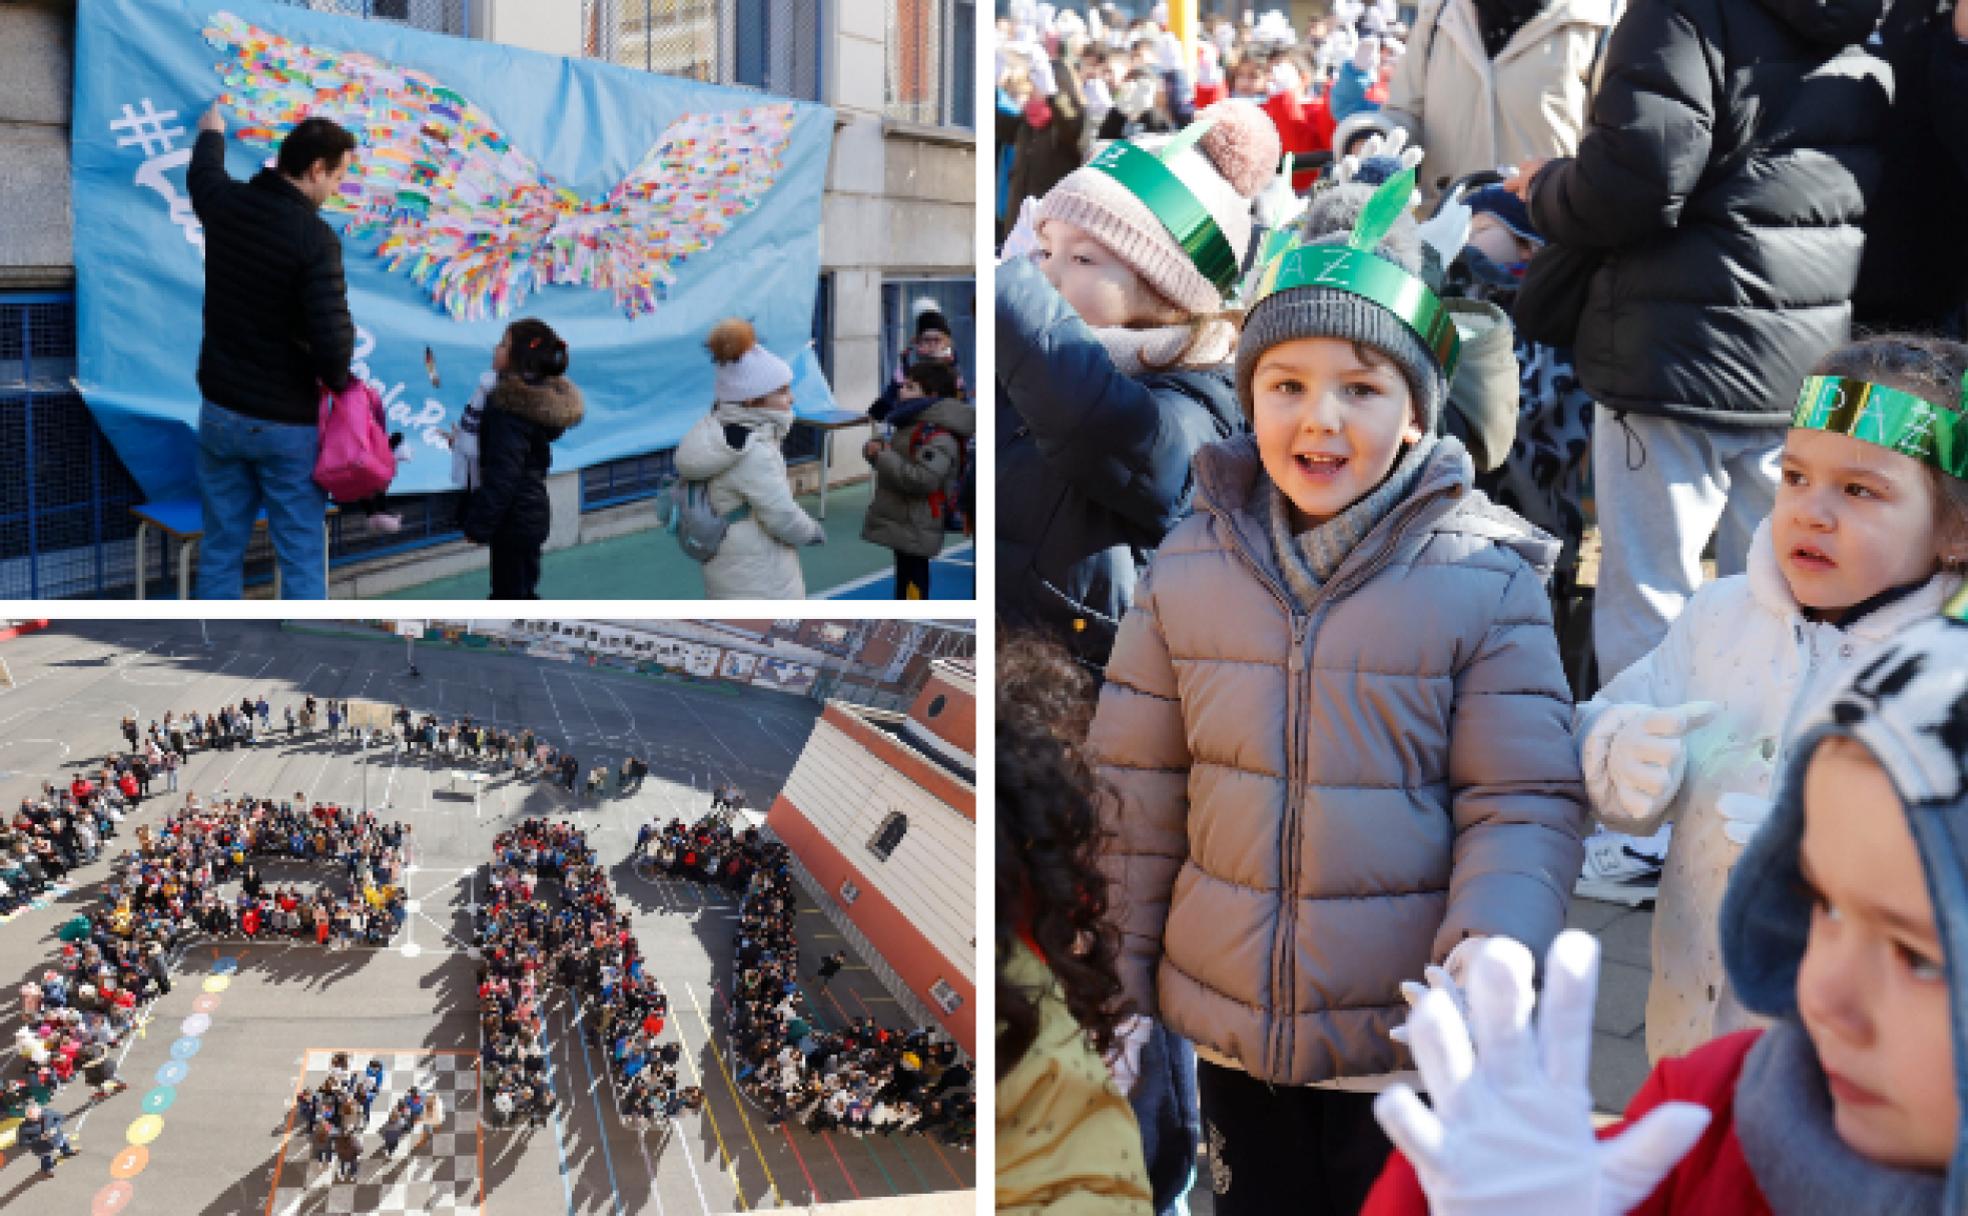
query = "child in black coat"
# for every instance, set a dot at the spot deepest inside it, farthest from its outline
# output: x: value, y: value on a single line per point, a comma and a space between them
x: 532, y: 404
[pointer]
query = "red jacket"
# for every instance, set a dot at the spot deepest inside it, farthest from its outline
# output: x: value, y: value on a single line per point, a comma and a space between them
x: 1712, y: 1180
x: 1303, y: 126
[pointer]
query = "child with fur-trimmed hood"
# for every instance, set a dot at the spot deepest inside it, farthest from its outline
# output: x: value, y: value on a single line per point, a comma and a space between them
x: 530, y: 405
x: 734, y: 449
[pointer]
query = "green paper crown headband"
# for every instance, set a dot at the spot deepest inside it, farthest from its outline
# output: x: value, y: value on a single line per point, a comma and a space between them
x: 1354, y: 268
x: 1957, y: 606
x: 1879, y: 414
x: 1147, y: 176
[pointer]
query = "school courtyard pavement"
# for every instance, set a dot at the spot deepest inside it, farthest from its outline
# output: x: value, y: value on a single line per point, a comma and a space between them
x: 648, y: 564
x: 204, y: 1127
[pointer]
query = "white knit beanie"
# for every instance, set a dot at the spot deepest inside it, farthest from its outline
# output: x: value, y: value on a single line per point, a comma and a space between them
x: 746, y: 371
x: 1222, y: 171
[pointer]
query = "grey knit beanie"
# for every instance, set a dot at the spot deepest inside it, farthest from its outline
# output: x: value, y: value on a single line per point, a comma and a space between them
x: 1324, y: 312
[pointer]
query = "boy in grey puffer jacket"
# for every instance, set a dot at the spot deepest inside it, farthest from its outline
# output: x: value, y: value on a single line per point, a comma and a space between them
x: 1335, y: 721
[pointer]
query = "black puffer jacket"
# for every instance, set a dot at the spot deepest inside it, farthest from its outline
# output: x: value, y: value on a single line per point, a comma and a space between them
x: 1915, y: 274
x: 515, y: 448
x: 1731, y: 147
x: 276, y: 306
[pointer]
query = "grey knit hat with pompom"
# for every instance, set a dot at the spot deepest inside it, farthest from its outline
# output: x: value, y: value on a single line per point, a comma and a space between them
x: 1325, y: 312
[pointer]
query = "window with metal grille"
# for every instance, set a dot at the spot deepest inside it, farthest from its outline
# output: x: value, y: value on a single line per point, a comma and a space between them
x: 438, y: 16
x: 956, y: 299
x: 893, y: 829
x: 948, y: 999
x: 775, y: 46
x: 931, y: 69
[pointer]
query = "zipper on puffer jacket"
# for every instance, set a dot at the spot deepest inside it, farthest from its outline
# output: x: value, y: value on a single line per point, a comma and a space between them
x: 1281, y: 1035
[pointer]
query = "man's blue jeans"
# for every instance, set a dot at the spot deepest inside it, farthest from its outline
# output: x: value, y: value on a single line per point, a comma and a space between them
x: 244, y: 464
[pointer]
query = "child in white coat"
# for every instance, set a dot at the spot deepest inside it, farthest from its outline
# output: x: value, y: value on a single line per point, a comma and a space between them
x: 734, y: 449
x: 1869, y: 534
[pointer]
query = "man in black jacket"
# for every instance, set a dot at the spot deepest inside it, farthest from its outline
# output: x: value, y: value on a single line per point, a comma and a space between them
x: 277, y: 328
x: 1723, y: 179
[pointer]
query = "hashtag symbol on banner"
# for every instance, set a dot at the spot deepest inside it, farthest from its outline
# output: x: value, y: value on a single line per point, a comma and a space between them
x: 149, y: 129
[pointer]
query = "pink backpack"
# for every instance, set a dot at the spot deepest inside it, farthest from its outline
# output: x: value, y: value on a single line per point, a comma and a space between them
x: 355, y: 461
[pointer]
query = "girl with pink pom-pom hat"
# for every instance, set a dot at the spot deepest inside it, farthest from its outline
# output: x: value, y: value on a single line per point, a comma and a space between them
x: 1114, y: 361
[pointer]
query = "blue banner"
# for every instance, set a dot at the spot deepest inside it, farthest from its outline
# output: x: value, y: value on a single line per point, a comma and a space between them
x: 630, y: 211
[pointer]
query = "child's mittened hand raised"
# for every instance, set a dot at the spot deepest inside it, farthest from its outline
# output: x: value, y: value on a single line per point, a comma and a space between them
x: 1648, y: 754
x: 1023, y: 239
x: 1510, y: 1129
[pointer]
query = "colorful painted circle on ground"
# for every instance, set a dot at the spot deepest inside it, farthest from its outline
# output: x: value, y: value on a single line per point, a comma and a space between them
x: 130, y: 1162
x: 185, y: 1048
x: 206, y: 1003
x: 159, y: 1100
x: 144, y: 1129
x: 225, y: 966
x: 196, y: 1024
x: 217, y: 983
x: 172, y: 1073
x: 112, y: 1198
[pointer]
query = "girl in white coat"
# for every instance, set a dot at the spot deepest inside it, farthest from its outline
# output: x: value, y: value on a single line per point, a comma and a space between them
x: 1869, y: 534
x: 735, y: 450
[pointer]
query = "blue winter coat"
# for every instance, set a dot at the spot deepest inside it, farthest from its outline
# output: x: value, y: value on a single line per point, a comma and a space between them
x: 1093, y: 465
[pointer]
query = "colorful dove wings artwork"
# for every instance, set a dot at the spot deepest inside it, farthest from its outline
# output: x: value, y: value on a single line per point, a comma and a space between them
x: 471, y: 219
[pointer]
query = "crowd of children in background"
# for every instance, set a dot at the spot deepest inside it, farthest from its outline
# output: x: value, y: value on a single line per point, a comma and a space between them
x: 114, y: 956
x: 333, y: 1117
x: 582, y: 942
x: 194, y: 851
x: 856, y: 1077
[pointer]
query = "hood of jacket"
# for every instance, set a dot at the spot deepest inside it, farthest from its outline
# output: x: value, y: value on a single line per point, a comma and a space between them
x: 1831, y: 23
x: 717, y: 440
x: 957, y: 417
x: 553, y: 403
x: 1444, y: 500
x: 1909, y: 708
x: 1482, y: 399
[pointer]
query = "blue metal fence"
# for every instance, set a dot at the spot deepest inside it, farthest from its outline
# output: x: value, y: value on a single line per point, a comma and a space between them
x: 65, y: 497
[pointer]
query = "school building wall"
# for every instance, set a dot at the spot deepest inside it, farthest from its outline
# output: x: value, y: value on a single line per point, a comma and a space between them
x: 917, y: 907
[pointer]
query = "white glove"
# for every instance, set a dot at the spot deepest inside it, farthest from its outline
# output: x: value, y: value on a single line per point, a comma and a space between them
x: 1135, y: 97
x: 1510, y: 1132
x: 1743, y: 815
x: 1647, y: 755
x: 1207, y: 70
x: 1023, y: 239
x: 1367, y: 57
x: 1044, y: 82
x: 1168, y: 52
x: 1286, y: 78
x: 1439, y: 980
x: 1124, y: 1057
x: 1447, y: 231
x: 1446, y: 979
x: 1395, y: 145
x: 1278, y: 204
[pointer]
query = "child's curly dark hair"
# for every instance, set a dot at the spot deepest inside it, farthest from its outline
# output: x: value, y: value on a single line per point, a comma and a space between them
x: 1050, y: 888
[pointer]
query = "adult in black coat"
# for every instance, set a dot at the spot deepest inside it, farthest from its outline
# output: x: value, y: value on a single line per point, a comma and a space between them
x: 1915, y: 273
x: 532, y: 404
x: 1723, y: 178
x: 277, y: 327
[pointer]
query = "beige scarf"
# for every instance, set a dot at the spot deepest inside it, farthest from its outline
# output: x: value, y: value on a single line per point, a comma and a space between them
x: 1140, y: 352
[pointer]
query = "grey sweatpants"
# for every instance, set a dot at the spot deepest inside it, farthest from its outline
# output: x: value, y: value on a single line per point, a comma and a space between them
x: 1660, y: 493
